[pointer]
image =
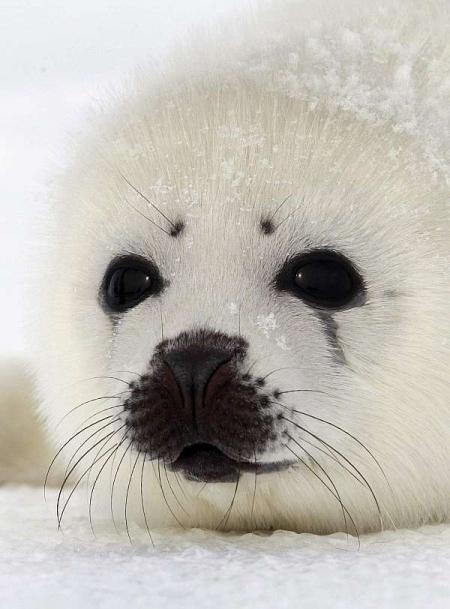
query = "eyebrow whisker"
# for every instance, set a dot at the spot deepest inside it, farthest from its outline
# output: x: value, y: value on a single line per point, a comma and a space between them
x: 270, y: 219
x: 138, y: 211
x: 176, y: 227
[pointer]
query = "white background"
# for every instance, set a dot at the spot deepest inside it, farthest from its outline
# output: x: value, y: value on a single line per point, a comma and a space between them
x: 56, y: 56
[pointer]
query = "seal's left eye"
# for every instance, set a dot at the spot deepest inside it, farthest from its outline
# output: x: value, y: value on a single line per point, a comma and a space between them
x: 129, y: 281
x: 321, y: 278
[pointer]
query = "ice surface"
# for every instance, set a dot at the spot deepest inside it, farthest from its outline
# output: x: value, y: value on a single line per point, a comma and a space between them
x: 43, y: 568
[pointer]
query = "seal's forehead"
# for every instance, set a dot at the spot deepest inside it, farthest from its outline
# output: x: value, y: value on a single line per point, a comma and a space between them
x: 236, y: 146
x: 231, y: 163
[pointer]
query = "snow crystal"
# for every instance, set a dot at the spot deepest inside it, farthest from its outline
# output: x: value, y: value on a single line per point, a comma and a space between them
x: 281, y: 341
x: 266, y: 323
x: 385, y: 64
x: 233, y: 308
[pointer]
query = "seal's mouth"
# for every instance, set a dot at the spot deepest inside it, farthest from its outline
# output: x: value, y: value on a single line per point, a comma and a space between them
x: 203, y: 462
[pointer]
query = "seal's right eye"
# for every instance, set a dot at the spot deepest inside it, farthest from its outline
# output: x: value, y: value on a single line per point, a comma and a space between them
x: 128, y: 281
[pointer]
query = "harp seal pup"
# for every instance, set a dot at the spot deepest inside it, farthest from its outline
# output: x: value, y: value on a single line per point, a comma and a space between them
x: 243, y: 310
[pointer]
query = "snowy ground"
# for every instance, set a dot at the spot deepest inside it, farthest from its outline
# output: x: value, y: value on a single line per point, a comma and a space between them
x: 41, y: 568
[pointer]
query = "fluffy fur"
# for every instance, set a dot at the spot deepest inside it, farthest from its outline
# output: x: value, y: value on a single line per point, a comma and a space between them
x: 342, y: 112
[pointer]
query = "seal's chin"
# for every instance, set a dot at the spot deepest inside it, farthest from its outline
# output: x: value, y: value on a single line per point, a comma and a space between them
x: 205, y: 463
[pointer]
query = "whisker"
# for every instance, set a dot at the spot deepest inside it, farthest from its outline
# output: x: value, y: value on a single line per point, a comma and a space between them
x: 97, y: 478
x: 125, y: 372
x: 173, y: 493
x: 165, y: 498
x: 278, y: 370
x: 330, y: 455
x: 363, y: 446
x: 174, y: 226
x: 112, y: 420
x: 58, y: 514
x: 115, y: 478
x: 180, y: 485
x: 327, y: 452
x: 142, y: 501
x: 347, y: 433
x: 254, y: 489
x: 305, y: 391
x: 104, y: 397
x: 74, y: 488
x: 127, y: 496
x: 95, y: 414
x: 279, y: 207
x: 102, y: 411
x: 98, y: 452
x: 336, y: 496
x: 328, y: 477
x: 64, y: 446
x: 368, y: 486
x: 202, y: 489
x: 251, y: 366
x: 227, y: 514
x: 288, y: 216
x: 258, y: 359
x: 138, y: 211
x: 114, y: 459
x: 97, y: 378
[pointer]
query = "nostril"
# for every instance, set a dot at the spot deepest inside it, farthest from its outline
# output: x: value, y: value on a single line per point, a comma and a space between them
x: 219, y: 378
x: 172, y: 385
x: 195, y: 366
x: 196, y: 373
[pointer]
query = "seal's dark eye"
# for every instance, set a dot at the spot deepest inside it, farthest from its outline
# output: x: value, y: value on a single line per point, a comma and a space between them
x: 128, y: 281
x: 322, y: 278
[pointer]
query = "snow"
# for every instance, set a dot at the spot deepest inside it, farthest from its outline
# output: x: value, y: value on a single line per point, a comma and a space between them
x: 43, y: 568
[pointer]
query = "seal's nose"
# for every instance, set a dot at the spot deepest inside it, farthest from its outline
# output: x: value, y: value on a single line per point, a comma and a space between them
x: 198, y: 409
x: 198, y: 371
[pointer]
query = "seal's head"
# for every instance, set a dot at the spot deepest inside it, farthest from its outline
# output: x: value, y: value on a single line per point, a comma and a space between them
x: 246, y: 310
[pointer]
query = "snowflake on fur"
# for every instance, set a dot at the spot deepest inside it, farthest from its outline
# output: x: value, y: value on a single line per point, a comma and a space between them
x: 267, y: 323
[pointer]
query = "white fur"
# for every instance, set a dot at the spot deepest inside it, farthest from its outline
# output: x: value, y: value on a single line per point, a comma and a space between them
x: 25, y: 451
x: 345, y: 109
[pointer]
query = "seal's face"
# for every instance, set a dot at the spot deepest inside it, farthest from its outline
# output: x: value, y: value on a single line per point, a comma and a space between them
x: 251, y: 310
x: 199, y: 406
